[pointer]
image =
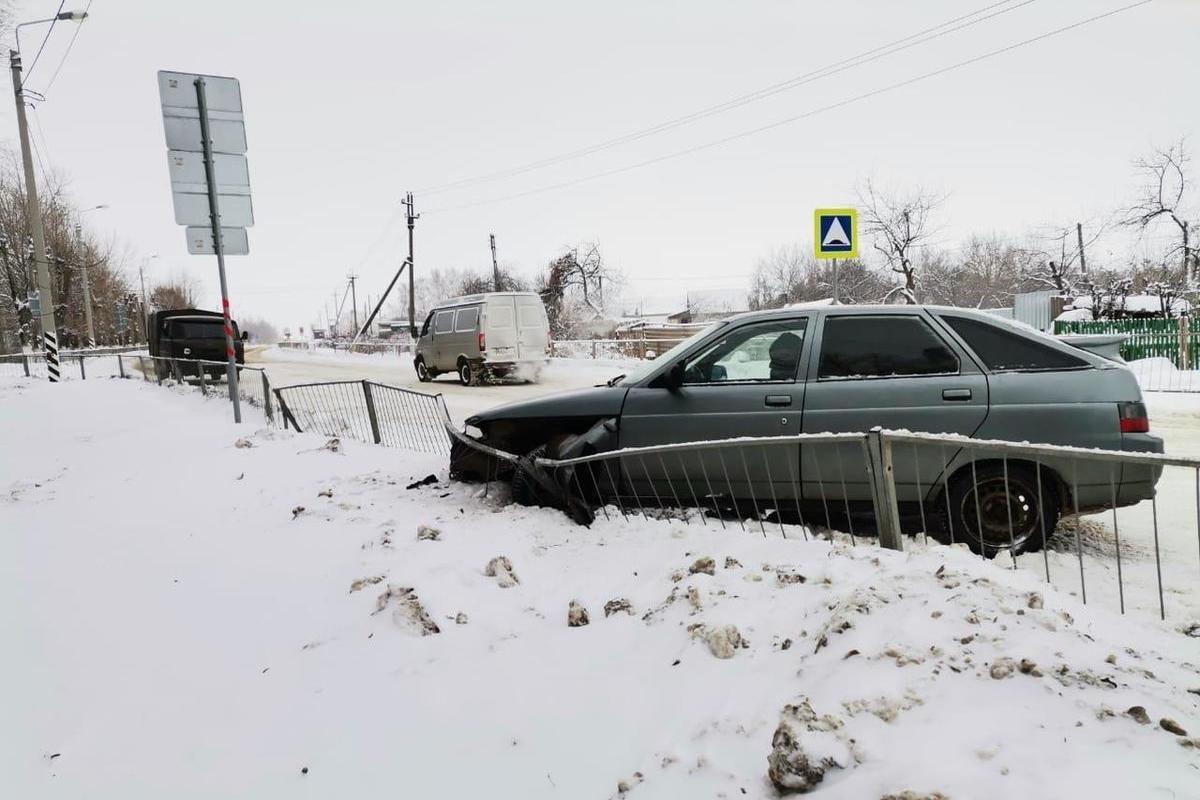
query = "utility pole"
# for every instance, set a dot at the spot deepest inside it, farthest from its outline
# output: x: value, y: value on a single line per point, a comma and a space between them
x: 1082, y: 259
x: 353, y: 300
x: 495, y: 266
x: 410, y: 213
x: 45, y: 290
x: 87, y: 292
x: 145, y: 311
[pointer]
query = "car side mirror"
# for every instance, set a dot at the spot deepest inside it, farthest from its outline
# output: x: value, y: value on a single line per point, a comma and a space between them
x: 674, y: 376
x: 245, y: 336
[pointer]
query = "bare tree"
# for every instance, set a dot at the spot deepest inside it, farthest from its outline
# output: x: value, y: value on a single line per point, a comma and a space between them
x: 1165, y: 197
x: 177, y: 293
x: 510, y: 281
x: 899, y: 223
x: 575, y: 286
x: 1056, y: 258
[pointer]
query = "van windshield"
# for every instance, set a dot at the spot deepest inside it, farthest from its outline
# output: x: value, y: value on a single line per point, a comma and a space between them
x: 643, y: 370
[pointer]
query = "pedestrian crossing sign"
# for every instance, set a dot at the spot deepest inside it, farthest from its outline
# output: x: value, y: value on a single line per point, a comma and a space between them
x: 835, y: 232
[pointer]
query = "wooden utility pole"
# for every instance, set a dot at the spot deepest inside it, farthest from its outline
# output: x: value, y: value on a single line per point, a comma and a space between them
x: 495, y: 265
x: 1082, y: 259
x: 411, y: 215
x: 353, y: 300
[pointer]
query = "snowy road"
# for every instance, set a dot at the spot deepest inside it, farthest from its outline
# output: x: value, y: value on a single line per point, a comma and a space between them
x: 302, y: 366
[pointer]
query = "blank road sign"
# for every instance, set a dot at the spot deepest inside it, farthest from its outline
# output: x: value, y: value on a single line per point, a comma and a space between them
x: 178, y: 89
x: 200, y: 241
x: 183, y: 132
x: 187, y: 172
x: 835, y: 233
x: 192, y: 209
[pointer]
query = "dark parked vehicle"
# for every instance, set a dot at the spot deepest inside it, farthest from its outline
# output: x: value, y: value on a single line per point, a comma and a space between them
x: 850, y: 369
x: 192, y: 335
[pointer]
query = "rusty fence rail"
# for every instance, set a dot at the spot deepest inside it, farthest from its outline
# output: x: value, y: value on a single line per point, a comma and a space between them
x: 366, y: 411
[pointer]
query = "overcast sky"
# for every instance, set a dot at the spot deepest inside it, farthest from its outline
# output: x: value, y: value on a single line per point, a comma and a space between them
x: 350, y: 104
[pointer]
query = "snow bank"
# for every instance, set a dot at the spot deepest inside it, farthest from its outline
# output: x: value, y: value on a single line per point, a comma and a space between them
x: 269, y: 621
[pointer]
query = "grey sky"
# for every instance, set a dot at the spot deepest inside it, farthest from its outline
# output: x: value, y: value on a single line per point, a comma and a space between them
x: 348, y: 105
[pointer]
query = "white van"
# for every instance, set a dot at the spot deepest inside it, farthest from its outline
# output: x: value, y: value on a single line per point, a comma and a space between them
x: 485, y: 336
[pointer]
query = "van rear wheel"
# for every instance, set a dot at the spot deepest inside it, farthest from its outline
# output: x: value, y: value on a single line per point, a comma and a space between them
x: 467, y: 374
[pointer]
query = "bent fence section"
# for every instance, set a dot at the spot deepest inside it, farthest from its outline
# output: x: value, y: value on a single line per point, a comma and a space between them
x: 1000, y: 499
x: 368, y: 412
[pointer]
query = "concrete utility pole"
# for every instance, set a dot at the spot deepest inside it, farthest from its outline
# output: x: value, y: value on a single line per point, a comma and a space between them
x: 1082, y: 260
x: 353, y: 300
x: 87, y: 292
x: 495, y: 266
x: 412, y: 216
x: 45, y: 290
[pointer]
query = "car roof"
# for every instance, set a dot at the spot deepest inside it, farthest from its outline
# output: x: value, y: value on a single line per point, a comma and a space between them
x: 843, y: 309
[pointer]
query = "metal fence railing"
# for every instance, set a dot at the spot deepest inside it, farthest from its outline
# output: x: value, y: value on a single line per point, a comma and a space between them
x: 611, y: 348
x: 1088, y: 521
x: 1165, y: 353
x: 207, y: 377
x: 73, y: 364
x: 369, y: 412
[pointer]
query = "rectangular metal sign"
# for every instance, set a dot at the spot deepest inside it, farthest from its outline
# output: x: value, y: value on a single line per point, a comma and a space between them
x: 200, y: 241
x: 835, y: 233
x: 232, y: 172
x: 192, y: 209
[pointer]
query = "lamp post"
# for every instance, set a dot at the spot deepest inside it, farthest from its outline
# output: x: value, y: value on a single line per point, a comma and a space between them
x: 45, y: 291
x: 83, y: 274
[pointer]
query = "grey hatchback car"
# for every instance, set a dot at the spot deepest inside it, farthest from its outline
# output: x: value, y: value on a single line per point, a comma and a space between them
x: 850, y: 369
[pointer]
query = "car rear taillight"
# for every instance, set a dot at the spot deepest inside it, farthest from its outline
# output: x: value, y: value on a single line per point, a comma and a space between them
x: 1134, y: 418
x: 482, y: 341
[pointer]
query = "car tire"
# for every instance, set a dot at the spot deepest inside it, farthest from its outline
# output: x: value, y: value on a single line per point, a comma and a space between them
x: 525, y: 490
x: 981, y: 496
x: 467, y: 374
x: 423, y: 374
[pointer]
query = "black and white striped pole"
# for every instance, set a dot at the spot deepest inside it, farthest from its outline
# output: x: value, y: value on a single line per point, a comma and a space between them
x: 45, y: 290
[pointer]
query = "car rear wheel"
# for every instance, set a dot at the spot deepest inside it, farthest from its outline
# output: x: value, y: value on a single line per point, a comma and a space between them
x: 991, y: 515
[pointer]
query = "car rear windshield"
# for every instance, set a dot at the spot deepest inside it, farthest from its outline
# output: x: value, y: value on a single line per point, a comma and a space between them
x: 1004, y: 350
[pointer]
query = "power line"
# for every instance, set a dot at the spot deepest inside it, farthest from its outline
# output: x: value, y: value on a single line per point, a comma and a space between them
x: 874, y: 54
x: 67, y: 52
x: 38, y: 55
x: 805, y: 115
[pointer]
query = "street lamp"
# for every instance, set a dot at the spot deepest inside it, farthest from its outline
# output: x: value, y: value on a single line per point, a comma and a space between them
x: 34, y: 209
x: 83, y: 268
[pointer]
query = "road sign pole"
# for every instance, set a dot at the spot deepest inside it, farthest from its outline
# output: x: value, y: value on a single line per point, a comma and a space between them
x: 218, y: 246
x: 835, y: 282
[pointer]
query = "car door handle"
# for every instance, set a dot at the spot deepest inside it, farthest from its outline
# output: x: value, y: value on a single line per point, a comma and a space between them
x: 956, y: 394
x: 779, y: 399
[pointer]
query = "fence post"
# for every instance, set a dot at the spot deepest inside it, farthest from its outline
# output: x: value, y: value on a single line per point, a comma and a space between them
x: 82, y: 371
x: 203, y: 382
x: 120, y: 365
x: 1185, y: 341
x: 286, y: 412
x: 25, y: 363
x: 883, y: 476
x: 266, y: 389
x: 157, y: 372
x: 176, y: 371
x: 371, y: 410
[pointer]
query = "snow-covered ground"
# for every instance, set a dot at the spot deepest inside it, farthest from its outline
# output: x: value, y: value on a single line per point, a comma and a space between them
x: 253, y: 613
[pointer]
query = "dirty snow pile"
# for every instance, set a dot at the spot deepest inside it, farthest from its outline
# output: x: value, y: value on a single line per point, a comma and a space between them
x: 196, y: 610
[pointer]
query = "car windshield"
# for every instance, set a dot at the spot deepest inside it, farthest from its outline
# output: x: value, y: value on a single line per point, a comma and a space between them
x: 199, y: 329
x: 643, y: 370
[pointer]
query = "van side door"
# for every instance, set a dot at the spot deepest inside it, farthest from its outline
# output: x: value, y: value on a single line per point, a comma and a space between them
x: 443, y: 333
x: 891, y: 370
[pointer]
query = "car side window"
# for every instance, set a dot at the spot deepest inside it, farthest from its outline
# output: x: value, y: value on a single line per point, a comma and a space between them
x: 467, y: 320
x: 882, y: 346
x: 759, y: 352
x: 1008, y: 350
x: 443, y: 322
